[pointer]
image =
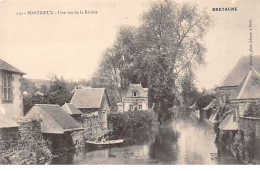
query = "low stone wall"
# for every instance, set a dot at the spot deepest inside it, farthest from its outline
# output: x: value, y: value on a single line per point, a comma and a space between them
x: 24, y: 145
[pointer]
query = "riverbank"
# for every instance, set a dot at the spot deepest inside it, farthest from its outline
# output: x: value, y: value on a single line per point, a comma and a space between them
x: 184, y: 140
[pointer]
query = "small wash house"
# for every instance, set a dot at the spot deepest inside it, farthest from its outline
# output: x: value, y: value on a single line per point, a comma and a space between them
x: 57, y: 126
x: 136, y: 98
x: 95, y: 106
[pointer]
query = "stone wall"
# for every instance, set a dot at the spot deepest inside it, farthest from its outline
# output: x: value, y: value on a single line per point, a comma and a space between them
x: 94, y: 121
x: 68, y: 141
x: 249, y: 125
x: 246, y: 143
x: 24, y: 145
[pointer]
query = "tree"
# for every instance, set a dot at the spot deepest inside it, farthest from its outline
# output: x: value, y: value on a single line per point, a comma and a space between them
x: 59, y: 92
x: 160, y: 54
x: 171, y: 41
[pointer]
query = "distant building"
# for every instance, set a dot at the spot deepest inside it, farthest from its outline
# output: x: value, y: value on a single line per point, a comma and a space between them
x: 11, y: 101
x: 136, y: 98
x: 38, y: 83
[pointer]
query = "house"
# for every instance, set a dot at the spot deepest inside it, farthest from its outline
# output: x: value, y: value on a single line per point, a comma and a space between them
x: 230, y: 89
x: 11, y: 95
x: 234, y: 78
x: 136, y: 98
x: 57, y: 126
x: 246, y: 88
x: 95, y: 106
x: 247, y: 91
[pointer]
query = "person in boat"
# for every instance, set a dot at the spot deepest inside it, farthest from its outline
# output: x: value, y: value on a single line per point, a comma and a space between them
x: 103, y: 140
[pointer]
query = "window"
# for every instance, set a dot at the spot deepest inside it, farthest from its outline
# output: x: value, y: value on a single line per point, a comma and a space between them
x: 7, y: 87
x: 134, y: 93
x: 140, y: 107
x: 131, y: 107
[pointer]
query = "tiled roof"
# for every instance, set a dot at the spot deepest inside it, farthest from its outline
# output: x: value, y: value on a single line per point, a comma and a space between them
x: 71, y: 109
x: 240, y: 70
x: 141, y: 92
x: 249, y: 88
x: 5, y: 66
x: 230, y: 122
x: 6, y: 122
x: 54, y: 119
x: 88, y: 97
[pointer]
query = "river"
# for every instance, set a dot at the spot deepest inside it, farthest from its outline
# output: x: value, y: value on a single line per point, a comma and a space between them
x: 184, y: 140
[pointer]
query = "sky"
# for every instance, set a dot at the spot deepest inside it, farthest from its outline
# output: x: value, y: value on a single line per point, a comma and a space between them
x: 71, y: 45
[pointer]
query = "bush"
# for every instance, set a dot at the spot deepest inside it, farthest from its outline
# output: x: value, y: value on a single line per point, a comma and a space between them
x: 253, y: 109
x: 130, y: 120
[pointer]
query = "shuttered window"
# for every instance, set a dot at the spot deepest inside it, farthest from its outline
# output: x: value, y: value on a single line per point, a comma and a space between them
x: 7, y: 88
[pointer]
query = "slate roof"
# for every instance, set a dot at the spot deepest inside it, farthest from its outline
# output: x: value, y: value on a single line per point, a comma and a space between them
x: 54, y: 119
x: 6, y: 122
x: 141, y: 92
x: 240, y: 70
x: 249, y: 87
x: 71, y: 109
x: 87, y: 97
x: 5, y: 66
x: 230, y: 122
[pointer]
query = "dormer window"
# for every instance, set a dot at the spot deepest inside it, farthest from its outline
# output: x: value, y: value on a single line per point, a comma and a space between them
x: 134, y: 93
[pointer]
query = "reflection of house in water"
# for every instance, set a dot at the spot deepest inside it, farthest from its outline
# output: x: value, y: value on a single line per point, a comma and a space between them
x: 136, y: 98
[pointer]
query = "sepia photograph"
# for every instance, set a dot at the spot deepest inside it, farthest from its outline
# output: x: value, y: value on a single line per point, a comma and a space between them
x: 129, y: 82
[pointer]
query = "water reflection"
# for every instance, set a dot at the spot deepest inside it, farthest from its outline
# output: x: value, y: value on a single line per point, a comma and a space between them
x: 184, y: 140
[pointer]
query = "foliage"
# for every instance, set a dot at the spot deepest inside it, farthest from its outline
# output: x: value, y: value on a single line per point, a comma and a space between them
x: 59, y: 92
x: 159, y: 54
x: 189, y: 91
x: 253, y: 109
x: 130, y: 120
x: 204, y: 100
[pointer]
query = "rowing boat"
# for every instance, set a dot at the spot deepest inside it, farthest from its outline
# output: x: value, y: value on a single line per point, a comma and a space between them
x: 106, y: 142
